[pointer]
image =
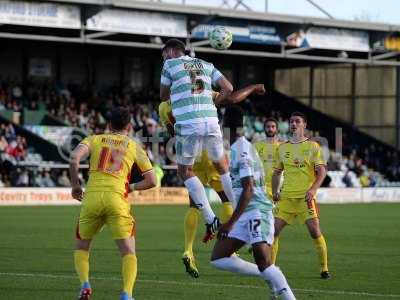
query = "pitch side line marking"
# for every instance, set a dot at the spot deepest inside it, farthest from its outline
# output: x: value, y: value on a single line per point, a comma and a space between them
x: 43, y: 275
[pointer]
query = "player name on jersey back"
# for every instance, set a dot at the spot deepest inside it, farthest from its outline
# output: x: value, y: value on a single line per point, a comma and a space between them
x: 190, y: 81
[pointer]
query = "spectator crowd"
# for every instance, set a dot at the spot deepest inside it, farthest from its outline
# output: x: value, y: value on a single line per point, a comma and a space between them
x: 85, y: 108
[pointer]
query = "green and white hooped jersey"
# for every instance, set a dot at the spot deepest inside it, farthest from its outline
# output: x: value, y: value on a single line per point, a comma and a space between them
x: 190, y: 81
x: 244, y: 162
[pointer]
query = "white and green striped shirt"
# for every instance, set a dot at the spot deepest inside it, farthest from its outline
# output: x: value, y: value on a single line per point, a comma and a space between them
x: 190, y: 81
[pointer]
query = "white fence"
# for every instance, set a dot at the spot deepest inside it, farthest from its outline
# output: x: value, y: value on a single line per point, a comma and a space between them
x: 358, y: 195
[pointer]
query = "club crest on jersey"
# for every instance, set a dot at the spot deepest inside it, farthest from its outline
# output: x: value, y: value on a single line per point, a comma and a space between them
x: 298, y: 163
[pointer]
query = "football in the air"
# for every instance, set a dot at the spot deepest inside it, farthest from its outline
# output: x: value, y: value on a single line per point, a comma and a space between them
x: 220, y: 38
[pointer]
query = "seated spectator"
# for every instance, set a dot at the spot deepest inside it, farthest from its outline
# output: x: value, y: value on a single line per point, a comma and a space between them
x: 23, y: 179
x: 63, y: 179
x: 16, y: 150
x: 347, y: 179
x: 47, y: 181
x: 10, y: 132
x: 37, y: 179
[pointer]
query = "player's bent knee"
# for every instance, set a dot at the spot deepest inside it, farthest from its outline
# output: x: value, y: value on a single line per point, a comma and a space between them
x: 219, y: 253
x: 262, y: 268
x: 262, y: 256
x: 263, y: 264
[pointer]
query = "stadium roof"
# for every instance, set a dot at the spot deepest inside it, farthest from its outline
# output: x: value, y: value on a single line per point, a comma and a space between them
x: 238, y: 14
x: 305, y: 53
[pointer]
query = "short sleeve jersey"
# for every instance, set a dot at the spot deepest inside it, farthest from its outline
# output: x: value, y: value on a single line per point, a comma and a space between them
x: 298, y: 160
x: 112, y: 157
x: 190, y: 81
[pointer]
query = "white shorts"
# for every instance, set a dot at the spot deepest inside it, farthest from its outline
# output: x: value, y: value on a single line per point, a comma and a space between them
x: 253, y: 227
x: 192, y: 139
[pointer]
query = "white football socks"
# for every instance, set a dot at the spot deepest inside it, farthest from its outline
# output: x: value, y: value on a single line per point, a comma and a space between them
x: 198, y: 194
x: 236, y: 265
x: 227, y: 185
x: 272, y: 275
x: 277, y: 281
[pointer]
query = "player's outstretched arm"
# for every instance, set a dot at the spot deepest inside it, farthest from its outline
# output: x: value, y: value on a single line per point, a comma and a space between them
x: 245, y: 197
x: 149, y: 181
x: 226, y: 89
x: 77, y: 154
x: 242, y: 94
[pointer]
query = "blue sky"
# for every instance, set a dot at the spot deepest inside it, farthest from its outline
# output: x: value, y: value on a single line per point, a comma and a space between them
x: 383, y: 11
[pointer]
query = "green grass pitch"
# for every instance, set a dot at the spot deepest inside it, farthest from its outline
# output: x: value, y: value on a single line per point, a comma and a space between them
x: 36, y: 257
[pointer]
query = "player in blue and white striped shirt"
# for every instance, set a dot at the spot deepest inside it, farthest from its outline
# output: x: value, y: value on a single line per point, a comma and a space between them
x: 188, y: 82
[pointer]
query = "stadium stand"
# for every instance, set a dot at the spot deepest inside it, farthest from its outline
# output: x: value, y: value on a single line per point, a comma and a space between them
x: 79, y: 107
x: 72, y: 81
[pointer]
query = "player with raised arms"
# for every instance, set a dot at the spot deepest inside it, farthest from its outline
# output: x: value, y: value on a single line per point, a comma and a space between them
x: 304, y: 169
x: 204, y: 169
x: 252, y: 221
x: 187, y: 82
x: 105, y: 199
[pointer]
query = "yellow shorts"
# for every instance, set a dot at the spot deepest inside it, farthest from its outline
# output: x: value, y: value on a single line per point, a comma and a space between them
x: 209, y: 177
x: 105, y: 208
x: 289, y: 209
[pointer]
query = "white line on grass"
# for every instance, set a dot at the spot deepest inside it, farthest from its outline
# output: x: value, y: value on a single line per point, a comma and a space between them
x: 331, y: 292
